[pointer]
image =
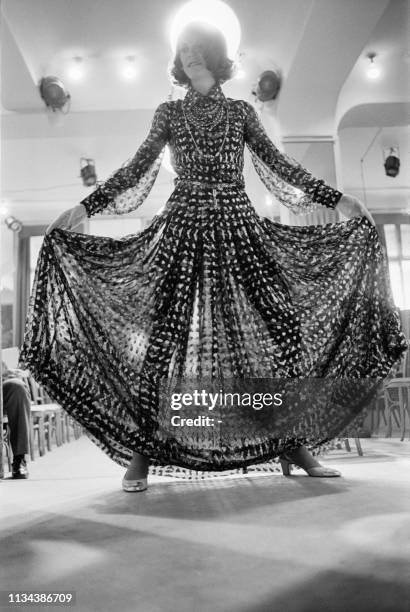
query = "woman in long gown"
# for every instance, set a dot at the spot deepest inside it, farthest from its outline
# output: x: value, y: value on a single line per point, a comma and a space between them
x: 212, y: 294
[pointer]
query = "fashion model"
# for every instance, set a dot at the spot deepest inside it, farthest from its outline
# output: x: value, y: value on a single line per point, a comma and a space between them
x: 212, y: 294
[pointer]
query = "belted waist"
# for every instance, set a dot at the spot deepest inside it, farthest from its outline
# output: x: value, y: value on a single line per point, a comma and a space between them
x: 219, y: 185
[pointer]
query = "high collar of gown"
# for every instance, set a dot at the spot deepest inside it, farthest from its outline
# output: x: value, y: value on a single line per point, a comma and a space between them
x: 214, y: 96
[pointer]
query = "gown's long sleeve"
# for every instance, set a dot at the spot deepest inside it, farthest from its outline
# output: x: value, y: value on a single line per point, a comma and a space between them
x: 292, y: 184
x: 128, y: 187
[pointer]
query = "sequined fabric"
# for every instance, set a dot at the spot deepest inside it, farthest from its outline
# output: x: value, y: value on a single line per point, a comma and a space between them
x: 211, y: 292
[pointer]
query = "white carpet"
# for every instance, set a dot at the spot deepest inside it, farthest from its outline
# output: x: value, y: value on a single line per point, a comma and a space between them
x: 243, y: 544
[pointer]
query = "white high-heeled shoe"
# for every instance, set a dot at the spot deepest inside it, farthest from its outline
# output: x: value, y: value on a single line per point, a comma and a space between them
x: 317, y: 471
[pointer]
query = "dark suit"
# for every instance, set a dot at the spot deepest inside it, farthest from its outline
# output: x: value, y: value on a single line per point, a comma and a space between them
x: 16, y: 404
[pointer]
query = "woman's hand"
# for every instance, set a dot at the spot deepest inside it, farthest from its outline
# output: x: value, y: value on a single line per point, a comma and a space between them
x: 350, y: 206
x: 69, y: 219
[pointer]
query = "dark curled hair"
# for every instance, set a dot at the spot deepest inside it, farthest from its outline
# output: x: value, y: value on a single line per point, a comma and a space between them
x: 215, y: 54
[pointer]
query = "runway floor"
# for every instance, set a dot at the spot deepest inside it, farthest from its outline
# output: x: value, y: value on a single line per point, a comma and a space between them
x: 248, y: 543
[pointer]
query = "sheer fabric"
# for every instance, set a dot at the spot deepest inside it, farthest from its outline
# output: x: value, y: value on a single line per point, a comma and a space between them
x: 212, y: 296
x: 129, y: 186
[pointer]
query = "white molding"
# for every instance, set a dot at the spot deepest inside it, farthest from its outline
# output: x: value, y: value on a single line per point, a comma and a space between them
x: 310, y: 138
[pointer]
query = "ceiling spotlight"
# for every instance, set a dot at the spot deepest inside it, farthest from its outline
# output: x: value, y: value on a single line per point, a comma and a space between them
x: 129, y: 71
x: 373, y: 71
x: 391, y: 161
x: 76, y: 69
x: 13, y: 224
x: 87, y: 171
x: 268, y: 86
x: 53, y: 93
x: 213, y: 12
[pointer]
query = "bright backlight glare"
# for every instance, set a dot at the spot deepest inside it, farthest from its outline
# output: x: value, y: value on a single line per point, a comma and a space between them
x: 129, y: 70
x: 213, y: 12
x: 76, y: 69
x: 373, y: 72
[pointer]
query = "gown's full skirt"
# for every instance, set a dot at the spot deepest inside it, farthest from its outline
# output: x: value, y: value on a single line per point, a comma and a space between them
x: 212, y: 297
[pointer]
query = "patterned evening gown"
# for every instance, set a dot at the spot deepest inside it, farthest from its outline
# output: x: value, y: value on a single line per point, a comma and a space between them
x: 212, y: 296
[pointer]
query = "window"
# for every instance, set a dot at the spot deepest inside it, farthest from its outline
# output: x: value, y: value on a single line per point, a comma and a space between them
x: 29, y: 244
x: 396, y: 235
x: 35, y: 246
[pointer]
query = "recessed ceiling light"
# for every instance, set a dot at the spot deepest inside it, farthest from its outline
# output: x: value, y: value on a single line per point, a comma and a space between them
x: 76, y: 69
x: 129, y: 69
x: 373, y: 70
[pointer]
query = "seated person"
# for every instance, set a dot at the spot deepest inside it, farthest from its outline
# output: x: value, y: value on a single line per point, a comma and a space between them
x: 16, y: 405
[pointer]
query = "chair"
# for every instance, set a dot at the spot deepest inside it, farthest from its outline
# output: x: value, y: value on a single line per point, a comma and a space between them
x: 357, y: 444
x: 397, y: 398
x: 377, y: 414
x: 37, y: 426
x: 48, y: 418
x: 48, y: 421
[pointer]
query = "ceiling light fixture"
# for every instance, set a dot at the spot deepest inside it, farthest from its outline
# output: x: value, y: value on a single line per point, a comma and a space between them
x: 87, y: 171
x: 268, y: 85
x: 391, y: 161
x: 13, y: 224
x: 54, y: 94
x: 373, y: 71
x: 213, y: 12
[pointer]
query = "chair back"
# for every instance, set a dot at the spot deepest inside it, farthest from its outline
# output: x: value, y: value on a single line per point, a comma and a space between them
x: 406, y: 362
x: 35, y: 391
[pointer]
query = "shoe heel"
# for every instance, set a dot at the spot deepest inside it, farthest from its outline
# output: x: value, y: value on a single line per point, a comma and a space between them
x: 285, y: 465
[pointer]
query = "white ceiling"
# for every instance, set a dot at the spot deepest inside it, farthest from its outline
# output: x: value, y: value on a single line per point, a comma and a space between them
x: 319, y: 45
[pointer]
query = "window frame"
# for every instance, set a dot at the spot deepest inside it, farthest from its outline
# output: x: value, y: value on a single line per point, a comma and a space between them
x: 396, y: 220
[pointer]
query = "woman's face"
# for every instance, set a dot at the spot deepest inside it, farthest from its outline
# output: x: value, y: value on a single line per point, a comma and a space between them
x: 191, y: 48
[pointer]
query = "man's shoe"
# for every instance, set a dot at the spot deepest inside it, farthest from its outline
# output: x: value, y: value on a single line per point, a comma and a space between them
x: 19, y: 468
